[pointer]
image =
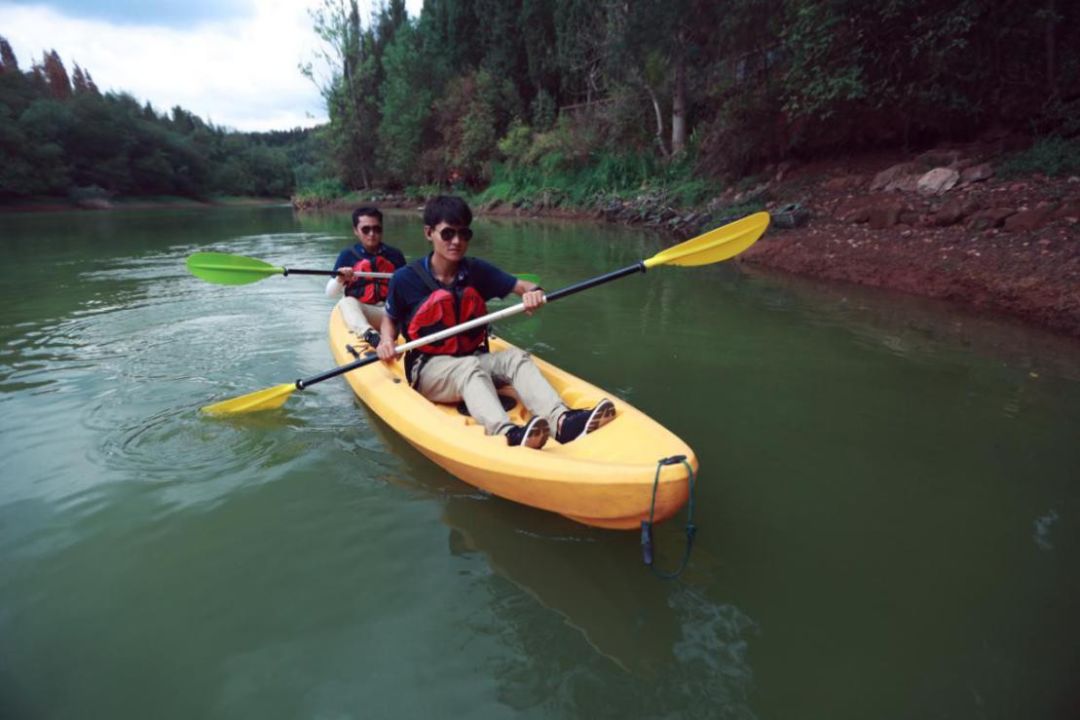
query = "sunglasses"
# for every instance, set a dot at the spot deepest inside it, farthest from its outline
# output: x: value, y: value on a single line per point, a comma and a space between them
x: 368, y: 229
x: 448, y: 233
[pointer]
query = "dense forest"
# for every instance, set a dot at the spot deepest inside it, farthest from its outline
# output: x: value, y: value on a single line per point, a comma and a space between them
x: 588, y: 95
x: 572, y: 97
x: 61, y: 137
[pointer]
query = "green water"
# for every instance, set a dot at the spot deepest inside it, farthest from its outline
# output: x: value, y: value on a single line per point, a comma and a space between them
x: 889, y: 505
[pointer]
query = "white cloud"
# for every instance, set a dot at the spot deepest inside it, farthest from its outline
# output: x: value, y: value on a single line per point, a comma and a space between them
x: 239, y: 71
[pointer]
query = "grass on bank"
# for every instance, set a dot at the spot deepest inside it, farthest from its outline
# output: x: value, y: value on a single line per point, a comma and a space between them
x: 620, y: 176
x: 1051, y: 156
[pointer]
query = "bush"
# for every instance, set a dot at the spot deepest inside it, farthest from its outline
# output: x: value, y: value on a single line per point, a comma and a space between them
x: 1050, y: 156
x: 515, y: 144
x: 422, y: 192
x: 324, y: 190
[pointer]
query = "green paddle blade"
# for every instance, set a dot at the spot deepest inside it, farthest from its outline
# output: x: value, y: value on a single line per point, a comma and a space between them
x: 528, y: 277
x: 225, y: 269
x: 266, y: 399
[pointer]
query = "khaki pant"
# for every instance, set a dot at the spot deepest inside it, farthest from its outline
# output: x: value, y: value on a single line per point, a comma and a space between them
x: 448, y: 379
x: 360, y: 316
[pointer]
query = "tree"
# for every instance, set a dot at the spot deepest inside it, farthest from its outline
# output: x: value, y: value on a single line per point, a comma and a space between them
x: 406, y: 105
x: 56, y: 75
x: 353, y: 58
x: 8, y: 63
x: 538, y: 40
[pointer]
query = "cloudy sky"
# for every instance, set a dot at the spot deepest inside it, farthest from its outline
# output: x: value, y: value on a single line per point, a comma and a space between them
x: 232, y: 62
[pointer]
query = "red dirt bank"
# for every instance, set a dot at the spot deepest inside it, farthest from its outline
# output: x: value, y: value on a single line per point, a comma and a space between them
x: 1005, y: 246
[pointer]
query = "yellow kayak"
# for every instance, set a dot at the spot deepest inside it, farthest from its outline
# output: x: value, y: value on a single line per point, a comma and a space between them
x: 604, y: 479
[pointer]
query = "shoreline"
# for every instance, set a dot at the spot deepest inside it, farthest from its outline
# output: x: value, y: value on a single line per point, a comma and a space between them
x: 1027, y: 269
x: 1007, y: 247
x: 58, y: 205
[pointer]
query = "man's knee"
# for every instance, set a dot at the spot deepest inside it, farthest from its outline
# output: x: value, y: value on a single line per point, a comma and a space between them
x: 452, y: 377
x: 513, y: 358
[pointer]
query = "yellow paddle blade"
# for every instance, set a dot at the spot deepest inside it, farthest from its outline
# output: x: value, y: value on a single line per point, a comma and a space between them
x: 716, y: 245
x: 267, y: 399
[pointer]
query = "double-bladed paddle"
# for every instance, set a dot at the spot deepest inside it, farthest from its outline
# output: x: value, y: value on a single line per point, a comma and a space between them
x: 226, y: 269
x: 717, y: 245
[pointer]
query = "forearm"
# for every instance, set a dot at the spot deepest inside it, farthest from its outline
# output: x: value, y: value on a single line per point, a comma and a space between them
x: 334, y: 288
x: 388, y: 328
x: 524, y: 286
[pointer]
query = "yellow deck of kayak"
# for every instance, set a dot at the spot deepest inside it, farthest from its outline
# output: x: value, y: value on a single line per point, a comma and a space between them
x: 604, y: 479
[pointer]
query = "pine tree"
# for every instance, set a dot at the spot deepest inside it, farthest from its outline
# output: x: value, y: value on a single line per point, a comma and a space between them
x: 56, y: 76
x: 78, y: 81
x: 8, y: 63
x: 90, y: 86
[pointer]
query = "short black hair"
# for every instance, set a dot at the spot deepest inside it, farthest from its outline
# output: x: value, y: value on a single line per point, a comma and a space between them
x: 362, y: 211
x: 449, y: 209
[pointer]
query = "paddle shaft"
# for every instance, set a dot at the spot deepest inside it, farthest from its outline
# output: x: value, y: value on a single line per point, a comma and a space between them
x: 292, y: 271
x: 476, y: 322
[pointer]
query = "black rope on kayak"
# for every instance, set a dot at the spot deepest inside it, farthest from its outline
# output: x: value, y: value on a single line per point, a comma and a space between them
x: 647, y: 542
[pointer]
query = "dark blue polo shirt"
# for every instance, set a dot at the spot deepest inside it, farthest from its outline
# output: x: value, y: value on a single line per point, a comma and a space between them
x: 350, y: 256
x: 408, y: 290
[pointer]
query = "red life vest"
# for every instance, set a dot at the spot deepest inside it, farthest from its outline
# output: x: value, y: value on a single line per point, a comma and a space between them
x: 370, y: 290
x: 444, y: 308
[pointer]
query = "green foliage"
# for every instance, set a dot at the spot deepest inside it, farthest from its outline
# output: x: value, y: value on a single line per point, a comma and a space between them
x: 544, y: 111
x: 325, y: 190
x: 1053, y: 156
x: 516, y: 143
x: 354, y: 56
x: 62, y: 144
x: 406, y: 106
x: 422, y: 192
x: 609, y: 175
x: 475, y: 111
x: 816, y: 39
x: 574, y: 98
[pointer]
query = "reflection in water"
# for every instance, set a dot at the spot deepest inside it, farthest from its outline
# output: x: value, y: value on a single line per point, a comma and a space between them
x: 1044, y: 524
x: 619, y: 609
x: 646, y: 635
x: 914, y: 327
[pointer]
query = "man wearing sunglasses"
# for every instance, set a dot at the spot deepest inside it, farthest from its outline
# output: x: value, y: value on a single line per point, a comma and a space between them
x: 361, y: 307
x: 446, y: 288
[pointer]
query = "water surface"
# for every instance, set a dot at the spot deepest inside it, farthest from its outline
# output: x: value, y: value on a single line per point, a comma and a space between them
x: 888, y: 503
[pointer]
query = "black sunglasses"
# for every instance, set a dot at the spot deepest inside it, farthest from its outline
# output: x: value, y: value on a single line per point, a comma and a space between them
x: 368, y: 229
x: 448, y: 233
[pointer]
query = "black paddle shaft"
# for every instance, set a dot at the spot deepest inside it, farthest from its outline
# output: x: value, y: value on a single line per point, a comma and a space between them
x: 593, y: 282
x: 293, y: 271
x: 551, y: 297
x: 340, y: 370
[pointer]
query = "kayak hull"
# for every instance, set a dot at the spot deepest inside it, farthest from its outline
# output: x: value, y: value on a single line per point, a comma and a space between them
x: 605, y: 479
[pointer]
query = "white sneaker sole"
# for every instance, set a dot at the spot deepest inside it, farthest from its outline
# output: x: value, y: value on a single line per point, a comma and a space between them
x: 602, y: 414
x: 537, y: 433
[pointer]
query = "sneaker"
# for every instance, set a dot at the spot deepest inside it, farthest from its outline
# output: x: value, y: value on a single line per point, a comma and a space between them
x: 371, y: 337
x: 532, y: 435
x: 579, y: 423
